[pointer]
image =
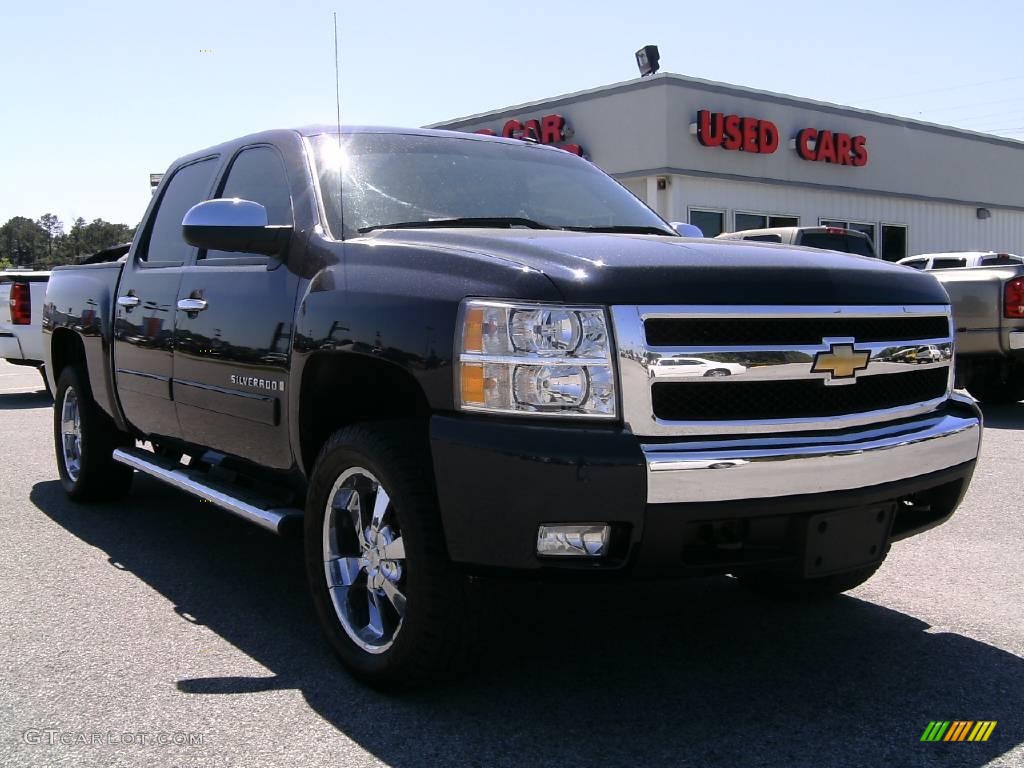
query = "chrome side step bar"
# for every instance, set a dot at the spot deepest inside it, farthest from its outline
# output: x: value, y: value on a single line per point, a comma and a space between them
x: 179, y: 476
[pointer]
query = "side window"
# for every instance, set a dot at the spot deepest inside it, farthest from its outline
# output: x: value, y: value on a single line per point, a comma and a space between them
x: 916, y: 263
x: 257, y: 174
x: 188, y: 186
x: 765, y: 238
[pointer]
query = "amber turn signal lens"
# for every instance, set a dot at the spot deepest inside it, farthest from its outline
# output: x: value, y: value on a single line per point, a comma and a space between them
x: 473, y: 335
x: 473, y: 383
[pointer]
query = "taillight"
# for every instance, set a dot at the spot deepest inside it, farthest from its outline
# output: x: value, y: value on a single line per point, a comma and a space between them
x: 21, y: 304
x: 1013, y: 298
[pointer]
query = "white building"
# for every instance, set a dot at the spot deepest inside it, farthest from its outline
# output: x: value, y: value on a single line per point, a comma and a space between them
x: 728, y: 158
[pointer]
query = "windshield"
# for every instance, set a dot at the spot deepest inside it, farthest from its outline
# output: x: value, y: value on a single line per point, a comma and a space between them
x: 405, y: 179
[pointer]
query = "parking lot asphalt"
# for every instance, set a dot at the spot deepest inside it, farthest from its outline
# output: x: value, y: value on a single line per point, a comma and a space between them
x: 126, y: 628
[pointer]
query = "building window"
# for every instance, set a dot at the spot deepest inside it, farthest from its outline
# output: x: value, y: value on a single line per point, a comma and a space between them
x: 894, y: 242
x: 745, y: 221
x: 711, y: 223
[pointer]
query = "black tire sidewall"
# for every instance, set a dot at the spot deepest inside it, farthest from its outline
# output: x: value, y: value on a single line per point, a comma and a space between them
x: 412, y: 508
x: 100, y: 478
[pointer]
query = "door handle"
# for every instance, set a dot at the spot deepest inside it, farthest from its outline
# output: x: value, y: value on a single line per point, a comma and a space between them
x: 129, y: 302
x: 191, y: 305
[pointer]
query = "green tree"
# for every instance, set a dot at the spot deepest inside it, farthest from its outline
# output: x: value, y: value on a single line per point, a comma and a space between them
x: 22, y: 241
x: 54, y: 229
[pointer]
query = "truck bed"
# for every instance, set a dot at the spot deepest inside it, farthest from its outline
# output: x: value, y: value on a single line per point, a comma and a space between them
x: 976, y: 294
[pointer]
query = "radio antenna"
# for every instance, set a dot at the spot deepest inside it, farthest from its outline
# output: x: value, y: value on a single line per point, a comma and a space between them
x: 337, y: 104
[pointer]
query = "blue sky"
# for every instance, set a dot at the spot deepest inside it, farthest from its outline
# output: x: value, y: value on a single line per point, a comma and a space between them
x: 97, y: 96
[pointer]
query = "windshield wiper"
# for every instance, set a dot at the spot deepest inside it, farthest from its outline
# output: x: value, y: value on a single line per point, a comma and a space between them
x: 467, y: 221
x: 626, y: 229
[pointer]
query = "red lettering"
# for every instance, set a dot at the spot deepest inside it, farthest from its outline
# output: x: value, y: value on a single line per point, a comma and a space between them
x: 511, y: 129
x: 531, y: 130
x: 749, y: 127
x: 551, y: 129
x: 826, y: 147
x: 485, y: 132
x: 709, y: 128
x: 803, y: 143
x: 843, y: 149
x: 860, y: 151
x: 733, y: 136
x: 576, y: 149
x: 767, y: 137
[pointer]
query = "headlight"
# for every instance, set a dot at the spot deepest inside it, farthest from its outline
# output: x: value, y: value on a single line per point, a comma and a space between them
x: 535, y: 359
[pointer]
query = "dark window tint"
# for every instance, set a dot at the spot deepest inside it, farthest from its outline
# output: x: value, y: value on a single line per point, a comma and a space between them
x: 257, y: 174
x: 711, y: 223
x: 948, y: 263
x: 765, y: 238
x: 916, y: 264
x: 188, y: 186
x: 894, y: 242
x: 837, y: 242
x: 745, y: 221
x: 999, y: 260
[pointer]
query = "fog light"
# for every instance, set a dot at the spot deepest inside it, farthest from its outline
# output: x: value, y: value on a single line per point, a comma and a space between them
x: 573, y: 540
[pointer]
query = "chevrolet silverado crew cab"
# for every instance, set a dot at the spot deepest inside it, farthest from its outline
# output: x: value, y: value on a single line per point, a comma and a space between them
x: 450, y: 355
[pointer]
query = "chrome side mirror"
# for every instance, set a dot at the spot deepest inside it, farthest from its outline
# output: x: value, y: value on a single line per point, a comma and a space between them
x: 687, y: 230
x: 234, y: 225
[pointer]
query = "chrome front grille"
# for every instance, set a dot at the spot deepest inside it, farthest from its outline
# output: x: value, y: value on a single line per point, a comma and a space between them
x: 735, y: 370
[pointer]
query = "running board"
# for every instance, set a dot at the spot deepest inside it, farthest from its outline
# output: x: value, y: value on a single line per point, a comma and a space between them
x: 273, y: 519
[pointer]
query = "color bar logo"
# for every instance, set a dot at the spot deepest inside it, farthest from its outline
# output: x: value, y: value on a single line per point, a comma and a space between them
x: 958, y: 730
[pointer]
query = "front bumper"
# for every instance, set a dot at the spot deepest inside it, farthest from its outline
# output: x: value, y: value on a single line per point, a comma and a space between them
x: 716, y: 504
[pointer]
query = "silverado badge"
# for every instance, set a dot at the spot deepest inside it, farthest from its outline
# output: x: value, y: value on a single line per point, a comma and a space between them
x: 841, y: 362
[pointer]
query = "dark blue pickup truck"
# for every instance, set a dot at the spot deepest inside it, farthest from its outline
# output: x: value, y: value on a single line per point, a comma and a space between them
x: 454, y: 356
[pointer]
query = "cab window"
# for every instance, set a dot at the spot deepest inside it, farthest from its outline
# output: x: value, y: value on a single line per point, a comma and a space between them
x: 189, y: 185
x: 257, y: 174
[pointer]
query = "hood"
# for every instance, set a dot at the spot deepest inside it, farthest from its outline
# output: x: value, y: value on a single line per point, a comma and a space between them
x: 648, y: 269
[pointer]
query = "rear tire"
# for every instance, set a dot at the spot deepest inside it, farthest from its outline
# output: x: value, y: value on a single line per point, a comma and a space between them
x: 718, y: 373
x: 85, y: 438
x: 394, y: 609
x: 779, y: 586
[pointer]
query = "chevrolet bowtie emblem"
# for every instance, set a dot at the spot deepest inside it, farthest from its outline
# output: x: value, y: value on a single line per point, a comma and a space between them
x: 841, y: 361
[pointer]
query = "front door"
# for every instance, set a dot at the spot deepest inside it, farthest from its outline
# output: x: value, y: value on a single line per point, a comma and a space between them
x: 232, y: 349
x: 144, y: 311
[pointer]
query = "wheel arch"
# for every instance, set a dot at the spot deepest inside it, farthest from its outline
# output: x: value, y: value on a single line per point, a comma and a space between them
x: 339, y: 389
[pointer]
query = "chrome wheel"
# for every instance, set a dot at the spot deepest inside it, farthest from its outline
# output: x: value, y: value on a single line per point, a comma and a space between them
x: 364, y: 560
x: 71, y: 434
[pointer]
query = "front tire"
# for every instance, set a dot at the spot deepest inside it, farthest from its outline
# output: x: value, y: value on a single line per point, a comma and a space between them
x: 85, y: 438
x: 395, y: 610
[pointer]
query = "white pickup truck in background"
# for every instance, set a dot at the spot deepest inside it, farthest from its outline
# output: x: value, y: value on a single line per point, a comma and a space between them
x: 21, y: 313
x: 986, y: 290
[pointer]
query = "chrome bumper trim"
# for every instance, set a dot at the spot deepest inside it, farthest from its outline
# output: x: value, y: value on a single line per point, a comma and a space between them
x: 730, y: 470
x: 1016, y: 340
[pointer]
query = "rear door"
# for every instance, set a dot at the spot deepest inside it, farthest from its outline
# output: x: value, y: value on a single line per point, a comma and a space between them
x: 144, y: 311
x: 232, y: 357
